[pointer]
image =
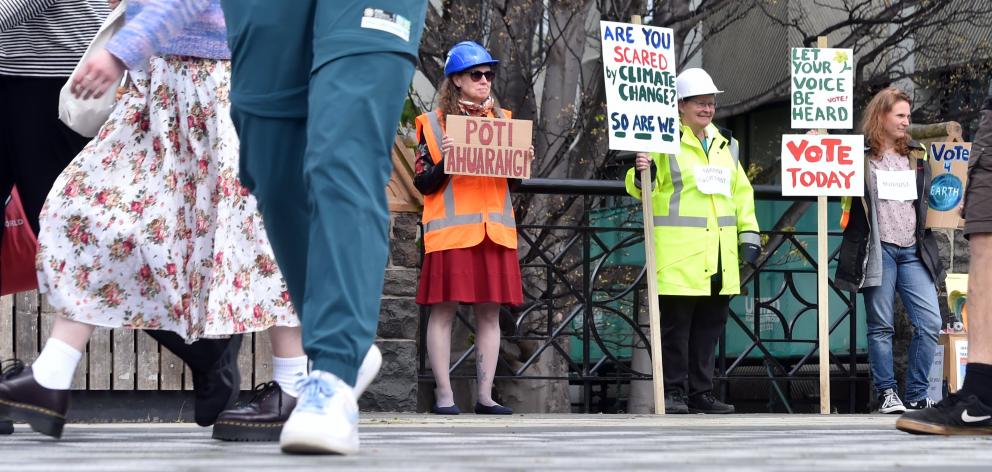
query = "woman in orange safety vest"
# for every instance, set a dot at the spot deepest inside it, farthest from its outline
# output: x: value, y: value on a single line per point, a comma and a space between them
x: 470, y: 236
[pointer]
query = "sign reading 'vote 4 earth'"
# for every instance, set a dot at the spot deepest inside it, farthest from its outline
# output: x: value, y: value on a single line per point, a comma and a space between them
x: 641, y: 103
x: 489, y: 147
x: 949, y: 176
x: 823, y: 165
x: 822, y: 80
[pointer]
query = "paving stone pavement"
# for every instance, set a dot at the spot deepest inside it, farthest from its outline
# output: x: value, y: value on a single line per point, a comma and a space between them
x: 522, y: 442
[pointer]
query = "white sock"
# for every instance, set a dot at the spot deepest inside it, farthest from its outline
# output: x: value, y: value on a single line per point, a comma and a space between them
x: 287, y: 370
x: 56, y: 364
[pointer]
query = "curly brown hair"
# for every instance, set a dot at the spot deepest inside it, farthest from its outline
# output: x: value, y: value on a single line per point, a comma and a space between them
x: 872, y: 124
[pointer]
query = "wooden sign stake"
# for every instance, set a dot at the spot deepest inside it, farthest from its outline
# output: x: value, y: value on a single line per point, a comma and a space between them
x: 823, y: 292
x: 651, y: 274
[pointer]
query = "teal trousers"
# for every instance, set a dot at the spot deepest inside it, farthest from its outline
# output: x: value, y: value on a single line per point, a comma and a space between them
x: 317, y: 90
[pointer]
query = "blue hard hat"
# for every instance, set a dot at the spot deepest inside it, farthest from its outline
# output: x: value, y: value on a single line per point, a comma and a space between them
x: 466, y: 55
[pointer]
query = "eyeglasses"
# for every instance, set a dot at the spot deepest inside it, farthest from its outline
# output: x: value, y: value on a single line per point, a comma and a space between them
x: 703, y: 104
x: 477, y: 75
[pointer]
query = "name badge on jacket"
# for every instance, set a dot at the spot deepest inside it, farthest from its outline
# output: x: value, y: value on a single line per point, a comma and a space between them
x: 713, y: 180
x: 896, y: 184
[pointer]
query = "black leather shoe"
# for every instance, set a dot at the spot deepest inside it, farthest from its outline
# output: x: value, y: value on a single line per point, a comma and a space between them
x: 260, y: 419
x: 496, y: 409
x: 707, y: 403
x: 675, y: 402
x: 6, y: 427
x: 216, y: 389
x: 24, y: 399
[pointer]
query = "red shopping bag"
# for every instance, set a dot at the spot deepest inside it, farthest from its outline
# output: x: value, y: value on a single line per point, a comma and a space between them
x: 18, y: 250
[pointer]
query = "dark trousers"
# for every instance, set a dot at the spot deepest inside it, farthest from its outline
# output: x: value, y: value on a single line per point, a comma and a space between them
x: 34, y: 149
x: 317, y: 90
x: 690, y: 329
x: 34, y: 145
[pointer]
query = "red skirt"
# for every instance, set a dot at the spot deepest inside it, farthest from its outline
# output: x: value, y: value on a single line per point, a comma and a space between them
x: 486, y: 273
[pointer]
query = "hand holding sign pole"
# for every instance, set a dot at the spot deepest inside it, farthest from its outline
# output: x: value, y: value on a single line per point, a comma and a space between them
x: 642, y: 116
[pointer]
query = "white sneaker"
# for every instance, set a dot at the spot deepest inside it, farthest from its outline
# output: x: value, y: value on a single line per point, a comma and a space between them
x: 325, y: 420
x: 368, y: 370
x: 891, y: 403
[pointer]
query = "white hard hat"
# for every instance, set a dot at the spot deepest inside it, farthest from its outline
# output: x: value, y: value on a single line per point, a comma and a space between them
x: 693, y: 82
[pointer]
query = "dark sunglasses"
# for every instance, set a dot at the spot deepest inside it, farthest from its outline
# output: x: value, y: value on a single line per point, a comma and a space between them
x: 477, y: 75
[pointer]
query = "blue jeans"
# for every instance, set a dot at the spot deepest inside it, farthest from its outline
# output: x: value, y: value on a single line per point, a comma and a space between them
x: 902, y: 271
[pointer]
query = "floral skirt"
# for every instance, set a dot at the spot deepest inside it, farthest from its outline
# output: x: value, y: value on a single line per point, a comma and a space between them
x: 486, y: 273
x: 149, y: 228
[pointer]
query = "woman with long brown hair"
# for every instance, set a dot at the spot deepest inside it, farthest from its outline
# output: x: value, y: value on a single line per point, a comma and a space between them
x: 887, y: 248
x: 470, y: 237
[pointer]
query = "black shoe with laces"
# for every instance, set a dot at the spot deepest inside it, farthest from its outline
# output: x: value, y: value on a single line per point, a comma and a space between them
x: 955, y: 415
x: 260, y: 419
x: 708, y: 404
x: 926, y: 402
x: 22, y: 398
x: 675, y: 402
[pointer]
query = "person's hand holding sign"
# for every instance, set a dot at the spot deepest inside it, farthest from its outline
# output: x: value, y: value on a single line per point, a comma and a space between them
x: 447, y: 144
x: 642, y: 162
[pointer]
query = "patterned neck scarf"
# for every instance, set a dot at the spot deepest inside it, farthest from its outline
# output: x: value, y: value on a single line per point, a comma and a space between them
x: 474, y: 109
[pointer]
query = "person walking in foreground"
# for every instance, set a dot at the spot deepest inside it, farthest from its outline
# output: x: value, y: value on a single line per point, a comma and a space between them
x: 316, y: 94
x: 40, y: 43
x: 887, y: 248
x: 148, y: 228
x: 698, y: 226
x: 470, y: 238
x: 969, y: 410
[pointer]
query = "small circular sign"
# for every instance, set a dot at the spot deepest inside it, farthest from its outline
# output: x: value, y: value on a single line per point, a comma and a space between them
x: 945, y: 192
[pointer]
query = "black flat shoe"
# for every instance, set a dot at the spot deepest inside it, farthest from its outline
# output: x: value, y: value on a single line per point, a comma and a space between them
x: 445, y: 410
x: 496, y: 409
x: 6, y: 427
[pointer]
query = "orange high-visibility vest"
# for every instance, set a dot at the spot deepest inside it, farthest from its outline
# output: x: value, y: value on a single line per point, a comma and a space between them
x: 468, y: 208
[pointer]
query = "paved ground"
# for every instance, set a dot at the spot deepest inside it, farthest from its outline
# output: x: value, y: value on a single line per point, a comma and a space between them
x: 522, y: 442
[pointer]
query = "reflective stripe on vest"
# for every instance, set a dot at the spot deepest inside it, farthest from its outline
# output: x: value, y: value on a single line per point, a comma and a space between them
x: 673, y: 219
x: 693, y: 221
x: 750, y: 238
x: 450, y: 218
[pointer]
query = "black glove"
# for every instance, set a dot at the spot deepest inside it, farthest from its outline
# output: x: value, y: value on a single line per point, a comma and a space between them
x: 637, y: 175
x: 750, y: 253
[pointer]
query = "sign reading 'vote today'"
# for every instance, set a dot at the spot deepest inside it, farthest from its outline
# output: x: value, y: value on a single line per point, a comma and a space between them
x: 822, y: 80
x: 823, y: 165
x: 639, y: 65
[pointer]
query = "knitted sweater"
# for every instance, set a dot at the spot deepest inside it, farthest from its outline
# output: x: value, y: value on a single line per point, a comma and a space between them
x: 170, y: 27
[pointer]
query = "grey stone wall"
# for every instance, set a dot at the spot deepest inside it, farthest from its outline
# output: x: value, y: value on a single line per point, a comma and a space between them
x: 396, y: 387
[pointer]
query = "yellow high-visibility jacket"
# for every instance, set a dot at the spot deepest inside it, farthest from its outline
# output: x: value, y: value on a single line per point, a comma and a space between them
x: 692, y: 229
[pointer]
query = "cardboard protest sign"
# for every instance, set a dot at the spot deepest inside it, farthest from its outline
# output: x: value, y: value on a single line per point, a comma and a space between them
x: 949, y: 176
x: 823, y: 165
x: 641, y: 102
x: 491, y: 147
x: 822, y: 83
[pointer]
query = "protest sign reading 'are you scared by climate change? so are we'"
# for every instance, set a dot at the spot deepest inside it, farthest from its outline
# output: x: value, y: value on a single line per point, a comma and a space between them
x: 490, y: 147
x: 639, y: 67
x: 822, y: 83
x: 823, y: 165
